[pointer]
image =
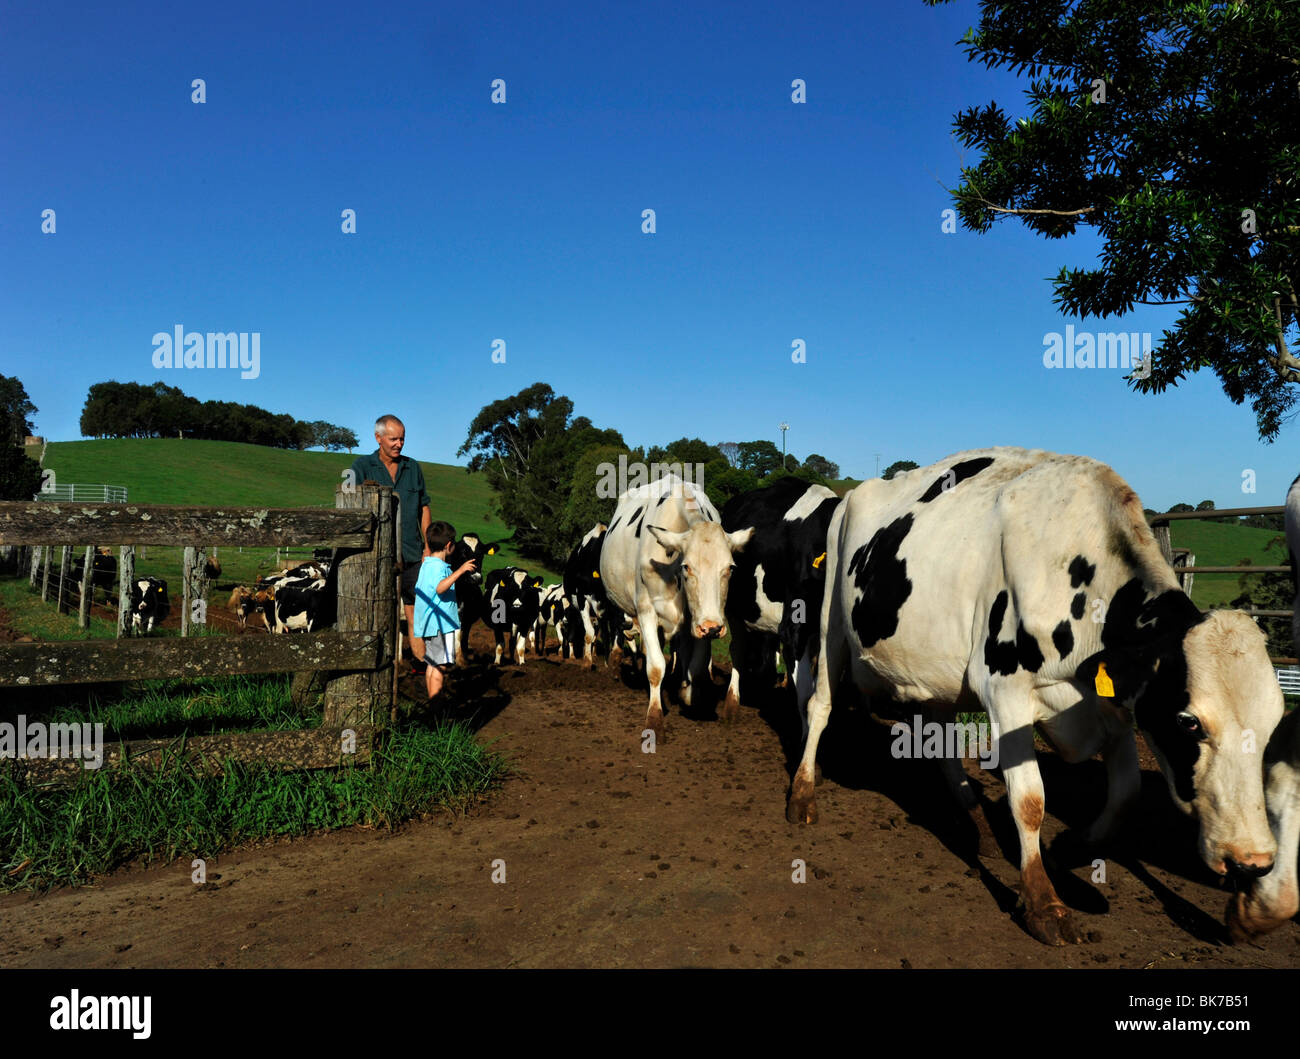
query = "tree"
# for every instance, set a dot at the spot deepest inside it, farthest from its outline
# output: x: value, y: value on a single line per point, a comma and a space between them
x: 791, y: 462
x: 1205, y: 505
x: 731, y: 451
x: 898, y: 466
x: 15, y: 408
x: 821, y: 465
x: 760, y: 458
x: 1170, y: 129
x: 20, y: 475
x: 1181, y: 507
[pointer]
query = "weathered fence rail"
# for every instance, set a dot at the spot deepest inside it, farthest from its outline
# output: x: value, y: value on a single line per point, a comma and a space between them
x: 1160, y: 527
x: 356, y: 656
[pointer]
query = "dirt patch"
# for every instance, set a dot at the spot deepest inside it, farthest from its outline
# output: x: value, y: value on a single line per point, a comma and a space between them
x: 605, y: 856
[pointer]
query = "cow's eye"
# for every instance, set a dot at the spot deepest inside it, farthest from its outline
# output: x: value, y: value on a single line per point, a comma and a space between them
x: 686, y: 569
x: 1189, y: 723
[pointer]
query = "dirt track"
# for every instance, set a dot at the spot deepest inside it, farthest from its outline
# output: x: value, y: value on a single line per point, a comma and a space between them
x: 615, y: 858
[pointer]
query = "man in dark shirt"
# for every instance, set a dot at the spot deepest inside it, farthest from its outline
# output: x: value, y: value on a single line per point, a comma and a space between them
x: 387, y: 466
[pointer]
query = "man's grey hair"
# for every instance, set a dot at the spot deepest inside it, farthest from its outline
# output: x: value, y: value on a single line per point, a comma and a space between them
x: 383, y: 422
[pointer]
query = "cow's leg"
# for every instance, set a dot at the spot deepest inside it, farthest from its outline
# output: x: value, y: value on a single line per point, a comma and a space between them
x: 589, y: 640
x: 519, y: 644
x: 462, y: 644
x: 501, y: 643
x: 803, y: 686
x: 1270, y: 901
x: 963, y: 790
x: 1046, y: 916
x: 696, y: 656
x: 731, y: 704
x: 1123, y: 782
x: 655, y: 670
x: 786, y: 664
x: 831, y: 659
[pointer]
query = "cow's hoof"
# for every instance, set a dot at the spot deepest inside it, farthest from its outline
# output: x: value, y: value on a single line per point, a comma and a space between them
x: 1249, y: 924
x: 730, y: 711
x: 1053, y: 925
x: 802, y: 806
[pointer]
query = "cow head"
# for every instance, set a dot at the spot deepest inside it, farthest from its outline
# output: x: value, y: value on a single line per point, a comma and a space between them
x: 1207, y: 700
x: 701, y: 563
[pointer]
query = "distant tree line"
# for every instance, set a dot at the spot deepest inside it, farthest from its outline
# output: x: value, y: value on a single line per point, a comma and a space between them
x: 544, y: 465
x: 133, y: 410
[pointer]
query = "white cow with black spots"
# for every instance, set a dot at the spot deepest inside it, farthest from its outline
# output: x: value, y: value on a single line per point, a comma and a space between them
x: 1269, y: 902
x: 974, y: 583
x: 666, y: 561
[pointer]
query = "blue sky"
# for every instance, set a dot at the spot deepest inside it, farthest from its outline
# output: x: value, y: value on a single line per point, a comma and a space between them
x: 522, y: 222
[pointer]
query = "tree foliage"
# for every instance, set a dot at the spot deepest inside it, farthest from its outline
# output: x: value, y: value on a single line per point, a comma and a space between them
x: 822, y: 466
x: 132, y: 410
x: 15, y: 409
x: 1170, y: 128
x: 20, y: 475
x: 897, y: 467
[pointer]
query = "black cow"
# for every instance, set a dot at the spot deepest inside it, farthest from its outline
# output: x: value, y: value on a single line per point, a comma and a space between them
x: 469, y: 591
x: 778, y: 580
x: 149, y: 605
x: 513, y: 600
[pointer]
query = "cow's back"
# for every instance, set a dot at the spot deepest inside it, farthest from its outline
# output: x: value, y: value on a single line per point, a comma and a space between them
x: 995, y: 554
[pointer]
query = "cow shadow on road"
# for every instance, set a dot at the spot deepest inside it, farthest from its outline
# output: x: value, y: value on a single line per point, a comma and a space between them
x: 855, y: 753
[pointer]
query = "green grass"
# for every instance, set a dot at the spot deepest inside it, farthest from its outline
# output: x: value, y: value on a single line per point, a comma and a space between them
x: 1224, y: 544
x: 63, y: 835
x: 175, y: 471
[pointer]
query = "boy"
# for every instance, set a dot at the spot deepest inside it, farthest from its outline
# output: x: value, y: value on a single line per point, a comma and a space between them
x: 436, y: 617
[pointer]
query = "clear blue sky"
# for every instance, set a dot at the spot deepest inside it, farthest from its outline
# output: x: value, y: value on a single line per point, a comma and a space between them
x: 522, y: 221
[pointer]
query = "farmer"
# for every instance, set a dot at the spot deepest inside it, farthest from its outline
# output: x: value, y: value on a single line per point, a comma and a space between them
x: 387, y: 466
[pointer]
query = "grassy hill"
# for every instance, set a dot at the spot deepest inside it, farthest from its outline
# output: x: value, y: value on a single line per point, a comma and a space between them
x: 175, y: 471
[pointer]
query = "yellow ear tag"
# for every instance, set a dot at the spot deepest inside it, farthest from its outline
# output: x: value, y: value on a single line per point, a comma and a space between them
x: 1105, y: 686
x: 819, y: 560
x: 492, y: 551
x: 595, y: 573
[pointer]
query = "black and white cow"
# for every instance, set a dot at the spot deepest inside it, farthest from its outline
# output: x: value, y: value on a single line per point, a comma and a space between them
x: 550, y: 611
x: 149, y: 605
x: 585, y: 593
x: 1269, y: 902
x: 975, y: 582
x: 776, y: 586
x: 666, y: 560
x: 513, y: 600
x: 469, y: 588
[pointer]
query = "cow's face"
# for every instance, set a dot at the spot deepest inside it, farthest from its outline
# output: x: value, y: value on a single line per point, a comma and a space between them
x: 703, y: 559
x: 1208, y: 711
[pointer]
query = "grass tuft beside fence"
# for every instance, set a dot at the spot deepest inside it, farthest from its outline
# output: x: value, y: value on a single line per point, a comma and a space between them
x: 51, y: 836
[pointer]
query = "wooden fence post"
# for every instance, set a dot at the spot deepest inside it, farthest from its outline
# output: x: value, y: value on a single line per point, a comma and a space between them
x: 36, y: 565
x: 45, y: 576
x: 1161, y: 532
x: 87, y: 588
x: 187, y: 580
x: 126, y: 579
x: 65, y: 553
x: 366, y: 588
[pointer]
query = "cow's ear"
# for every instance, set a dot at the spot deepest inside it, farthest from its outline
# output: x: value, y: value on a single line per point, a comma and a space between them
x: 671, y: 542
x: 737, y: 541
x: 1115, y: 676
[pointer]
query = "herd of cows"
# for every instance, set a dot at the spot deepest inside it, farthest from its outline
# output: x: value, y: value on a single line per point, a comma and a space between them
x: 1019, y: 582
x: 1023, y: 583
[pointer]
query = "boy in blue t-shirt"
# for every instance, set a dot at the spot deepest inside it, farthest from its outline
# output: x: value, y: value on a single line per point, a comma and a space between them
x: 436, y: 617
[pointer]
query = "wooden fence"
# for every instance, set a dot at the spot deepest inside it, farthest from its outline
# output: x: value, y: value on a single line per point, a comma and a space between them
x: 1186, y: 571
x: 355, y: 659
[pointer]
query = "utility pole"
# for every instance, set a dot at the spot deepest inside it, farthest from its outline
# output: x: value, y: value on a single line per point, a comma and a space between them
x: 784, y: 428
x: 877, y: 465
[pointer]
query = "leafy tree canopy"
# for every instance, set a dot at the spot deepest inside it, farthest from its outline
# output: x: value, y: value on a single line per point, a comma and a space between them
x: 1169, y: 127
